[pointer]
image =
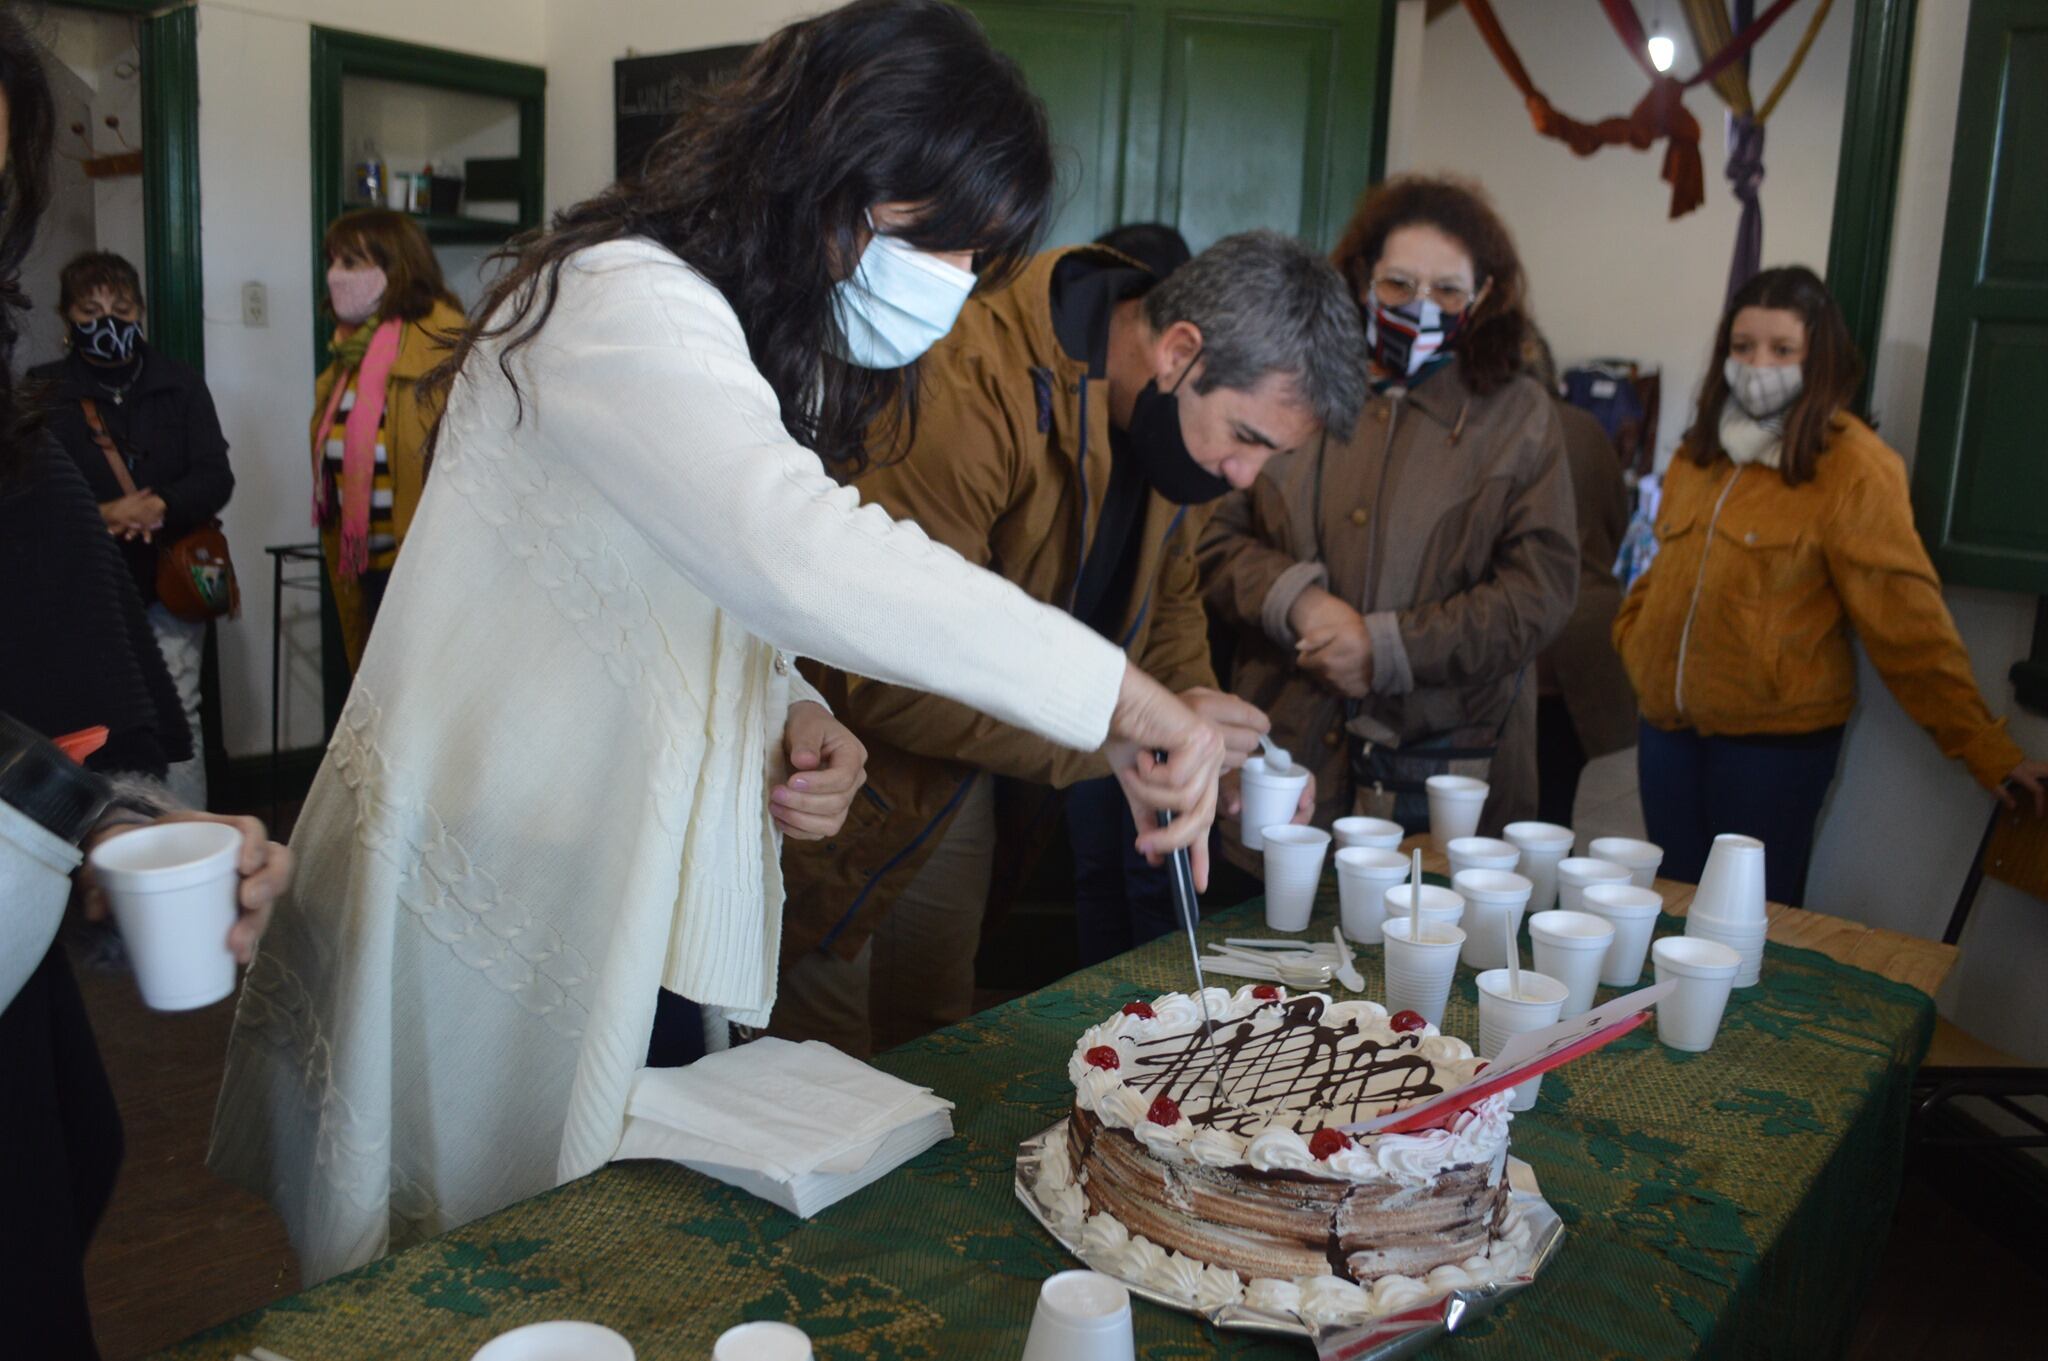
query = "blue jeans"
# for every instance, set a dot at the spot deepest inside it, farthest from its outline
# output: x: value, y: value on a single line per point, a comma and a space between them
x: 1768, y: 787
x: 1119, y: 900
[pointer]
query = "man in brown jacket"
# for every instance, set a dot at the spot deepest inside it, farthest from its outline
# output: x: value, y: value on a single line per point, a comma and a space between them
x: 1071, y: 429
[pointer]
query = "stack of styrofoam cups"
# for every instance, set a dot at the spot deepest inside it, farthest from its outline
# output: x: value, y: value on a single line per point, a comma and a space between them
x: 1729, y: 906
x: 1422, y: 959
x: 173, y: 888
x: 1440, y: 906
x: 1373, y: 833
x: 1490, y: 896
x: 1572, y: 948
x: 1639, y: 858
x: 1480, y: 853
x: 1576, y: 871
x: 1633, y: 913
x: 1082, y: 1316
x: 763, y: 1341
x: 1364, y: 875
x: 1455, y: 802
x: 1542, y: 845
x: 1294, y: 866
x: 1705, y: 969
x: 1269, y: 798
x: 1503, y: 1013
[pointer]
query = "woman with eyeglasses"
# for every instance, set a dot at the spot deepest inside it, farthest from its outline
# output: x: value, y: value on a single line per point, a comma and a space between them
x: 1389, y: 595
x: 541, y: 853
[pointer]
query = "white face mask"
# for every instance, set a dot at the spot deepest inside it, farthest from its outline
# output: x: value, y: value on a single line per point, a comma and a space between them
x: 899, y: 302
x: 1763, y: 392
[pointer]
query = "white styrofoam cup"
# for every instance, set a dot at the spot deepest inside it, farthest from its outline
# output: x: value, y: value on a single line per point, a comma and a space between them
x: 1690, y: 1017
x: 1494, y: 903
x: 1571, y: 947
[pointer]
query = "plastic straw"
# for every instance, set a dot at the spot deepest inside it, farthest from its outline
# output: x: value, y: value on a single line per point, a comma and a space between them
x: 1507, y: 924
x: 1416, y: 926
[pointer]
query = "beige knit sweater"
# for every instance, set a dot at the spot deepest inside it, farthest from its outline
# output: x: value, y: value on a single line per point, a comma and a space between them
x: 546, y: 797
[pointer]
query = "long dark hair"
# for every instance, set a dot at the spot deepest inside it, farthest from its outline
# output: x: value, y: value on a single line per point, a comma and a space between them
x: 763, y: 186
x: 24, y: 194
x: 1832, y: 371
x: 1490, y: 349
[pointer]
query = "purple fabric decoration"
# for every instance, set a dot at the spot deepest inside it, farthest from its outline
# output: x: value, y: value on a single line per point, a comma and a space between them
x: 1746, y: 177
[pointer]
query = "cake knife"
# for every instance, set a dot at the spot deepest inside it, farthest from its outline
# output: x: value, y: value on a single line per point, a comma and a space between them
x: 1184, y: 901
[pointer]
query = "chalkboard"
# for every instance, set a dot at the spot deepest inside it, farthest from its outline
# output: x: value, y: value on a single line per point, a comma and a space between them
x: 648, y: 93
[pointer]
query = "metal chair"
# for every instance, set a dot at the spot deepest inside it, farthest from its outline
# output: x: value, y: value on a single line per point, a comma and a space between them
x: 2013, y: 850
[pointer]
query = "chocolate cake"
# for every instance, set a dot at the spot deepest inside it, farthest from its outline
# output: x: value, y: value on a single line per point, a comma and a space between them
x: 1207, y: 1165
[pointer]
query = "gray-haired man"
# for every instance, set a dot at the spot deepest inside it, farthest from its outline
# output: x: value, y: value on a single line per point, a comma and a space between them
x: 1070, y: 430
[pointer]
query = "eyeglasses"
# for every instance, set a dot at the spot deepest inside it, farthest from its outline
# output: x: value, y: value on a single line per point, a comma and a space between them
x: 1398, y: 290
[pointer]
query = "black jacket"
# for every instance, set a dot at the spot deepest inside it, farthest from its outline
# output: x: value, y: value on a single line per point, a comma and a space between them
x: 75, y: 651
x: 167, y: 428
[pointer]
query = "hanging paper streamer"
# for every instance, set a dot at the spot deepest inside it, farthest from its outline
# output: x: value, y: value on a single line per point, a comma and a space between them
x: 1660, y: 116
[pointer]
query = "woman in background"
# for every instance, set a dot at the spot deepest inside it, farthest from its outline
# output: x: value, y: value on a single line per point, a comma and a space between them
x: 395, y: 321
x: 1785, y: 524
x: 1390, y: 596
x: 1584, y: 706
x: 113, y: 397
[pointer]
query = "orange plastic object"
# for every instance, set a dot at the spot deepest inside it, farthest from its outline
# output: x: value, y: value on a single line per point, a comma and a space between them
x: 83, y: 743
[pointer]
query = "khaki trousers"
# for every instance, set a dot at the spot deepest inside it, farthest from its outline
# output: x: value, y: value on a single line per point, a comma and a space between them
x: 916, y: 973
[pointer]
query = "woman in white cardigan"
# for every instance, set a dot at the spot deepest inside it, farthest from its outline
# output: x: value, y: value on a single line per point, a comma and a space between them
x: 548, y: 798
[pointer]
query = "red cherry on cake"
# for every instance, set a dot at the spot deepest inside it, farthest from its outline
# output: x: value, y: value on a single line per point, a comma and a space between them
x: 1164, y: 1111
x: 1404, y: 1021
x: 1142, y: 1010
x: 1266, y: 992
x: 1328, y: 1142
x: 1102, y: 1056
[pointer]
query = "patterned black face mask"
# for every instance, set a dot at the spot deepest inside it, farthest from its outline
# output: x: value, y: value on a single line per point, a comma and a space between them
x: 110, y: 340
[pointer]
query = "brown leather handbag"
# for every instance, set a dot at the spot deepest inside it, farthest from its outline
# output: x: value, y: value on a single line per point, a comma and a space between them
x: 195, y: 577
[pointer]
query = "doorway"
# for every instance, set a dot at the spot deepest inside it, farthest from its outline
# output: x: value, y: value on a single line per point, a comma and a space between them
x: 1211, y: 116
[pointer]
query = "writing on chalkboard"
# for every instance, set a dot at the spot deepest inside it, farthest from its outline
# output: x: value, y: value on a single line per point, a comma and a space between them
x: 648, y: 93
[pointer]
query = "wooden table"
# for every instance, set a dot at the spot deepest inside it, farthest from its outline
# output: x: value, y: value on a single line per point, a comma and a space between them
x: 1918, y: 963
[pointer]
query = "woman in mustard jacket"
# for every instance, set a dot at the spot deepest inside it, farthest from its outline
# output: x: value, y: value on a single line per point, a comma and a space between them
x: 395, y: 321
x: 1785, y: 523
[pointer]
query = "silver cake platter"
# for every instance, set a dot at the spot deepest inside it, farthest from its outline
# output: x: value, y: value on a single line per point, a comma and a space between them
x: 1385, y: 1338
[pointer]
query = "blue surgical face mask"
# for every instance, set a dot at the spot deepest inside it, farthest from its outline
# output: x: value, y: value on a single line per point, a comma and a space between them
x: 898, y: 303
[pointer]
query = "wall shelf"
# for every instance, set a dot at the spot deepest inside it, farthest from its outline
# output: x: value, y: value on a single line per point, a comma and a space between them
x: 459, y: 106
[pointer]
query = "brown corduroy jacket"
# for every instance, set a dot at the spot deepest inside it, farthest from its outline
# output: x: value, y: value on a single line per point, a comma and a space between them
x: 1009, y: 467
x: 1741, y: 624
x: 1448, y: 522
x: 1581, y: 666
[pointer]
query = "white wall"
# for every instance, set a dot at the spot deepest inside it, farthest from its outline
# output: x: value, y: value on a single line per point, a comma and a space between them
x: 1610, y: 273
x: 256, y: 225
x: 1903, y: 822
x: 583, y: 43
x: 95, y: 75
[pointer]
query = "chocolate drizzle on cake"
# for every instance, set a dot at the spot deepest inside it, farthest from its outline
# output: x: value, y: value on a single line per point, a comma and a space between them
x: 1299, y: 1068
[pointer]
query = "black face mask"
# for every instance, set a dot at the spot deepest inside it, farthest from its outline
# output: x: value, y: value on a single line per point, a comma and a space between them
x: 106, y: 339
x: 1162, y: 453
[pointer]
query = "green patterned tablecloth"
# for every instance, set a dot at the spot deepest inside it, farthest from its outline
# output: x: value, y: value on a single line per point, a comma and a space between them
x: 1728, y: 1204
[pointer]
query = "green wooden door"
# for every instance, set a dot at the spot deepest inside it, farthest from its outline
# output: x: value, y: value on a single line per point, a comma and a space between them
x: 1980, y: 479
x: 1209, y: 115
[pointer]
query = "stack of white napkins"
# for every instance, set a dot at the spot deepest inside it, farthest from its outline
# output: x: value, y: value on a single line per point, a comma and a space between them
x: 801, y: 1125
